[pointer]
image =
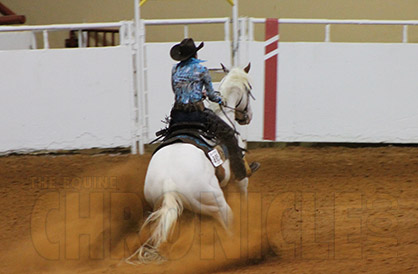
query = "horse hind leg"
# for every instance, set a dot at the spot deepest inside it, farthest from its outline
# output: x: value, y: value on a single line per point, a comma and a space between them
x: 217, y: 207
x: 225, y: 217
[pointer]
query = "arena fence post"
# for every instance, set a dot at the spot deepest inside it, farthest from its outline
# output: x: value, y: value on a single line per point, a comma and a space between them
x: 270, y: 80
x: 139, y: 76
x: 235, y: 27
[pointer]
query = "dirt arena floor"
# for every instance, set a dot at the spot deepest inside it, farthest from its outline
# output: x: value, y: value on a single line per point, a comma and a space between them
x: 309, y: 210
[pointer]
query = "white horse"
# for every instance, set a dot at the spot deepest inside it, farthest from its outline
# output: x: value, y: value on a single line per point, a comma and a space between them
x: 181, y: 176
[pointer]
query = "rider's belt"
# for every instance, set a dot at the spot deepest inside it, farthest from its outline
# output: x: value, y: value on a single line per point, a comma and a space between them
x: 190, y: 107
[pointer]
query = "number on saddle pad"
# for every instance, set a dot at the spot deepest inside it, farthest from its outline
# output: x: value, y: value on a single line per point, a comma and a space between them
x: 215, y: 157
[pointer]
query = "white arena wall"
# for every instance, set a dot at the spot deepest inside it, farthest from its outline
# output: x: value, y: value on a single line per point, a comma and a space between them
x: 65, y: 99
x: 347, y: 92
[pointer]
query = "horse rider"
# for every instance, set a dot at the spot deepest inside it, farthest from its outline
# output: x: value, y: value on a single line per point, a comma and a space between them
x: 188, y: 78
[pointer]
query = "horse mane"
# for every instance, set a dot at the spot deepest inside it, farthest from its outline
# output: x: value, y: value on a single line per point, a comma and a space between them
x: 236, y: 77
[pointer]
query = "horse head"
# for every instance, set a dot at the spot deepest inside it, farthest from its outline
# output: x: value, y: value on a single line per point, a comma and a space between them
x: 235, y: 88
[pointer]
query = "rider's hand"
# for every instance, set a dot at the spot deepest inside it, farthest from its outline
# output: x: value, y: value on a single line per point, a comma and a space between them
x: 222, y: 103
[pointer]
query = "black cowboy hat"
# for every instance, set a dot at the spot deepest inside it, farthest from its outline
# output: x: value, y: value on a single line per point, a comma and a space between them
x: 185, y: 49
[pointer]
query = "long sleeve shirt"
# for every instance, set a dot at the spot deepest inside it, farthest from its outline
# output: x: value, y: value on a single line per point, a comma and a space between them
x: 188, y: 78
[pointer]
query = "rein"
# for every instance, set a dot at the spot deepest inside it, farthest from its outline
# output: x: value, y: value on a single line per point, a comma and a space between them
x: 231, y: 122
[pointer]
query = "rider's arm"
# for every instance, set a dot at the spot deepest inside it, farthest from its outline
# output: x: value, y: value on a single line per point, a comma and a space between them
x: 173, y: 70
x: 207, y: 82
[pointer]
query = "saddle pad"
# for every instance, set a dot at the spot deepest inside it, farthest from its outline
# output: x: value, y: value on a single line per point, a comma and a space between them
x: 215, y: 154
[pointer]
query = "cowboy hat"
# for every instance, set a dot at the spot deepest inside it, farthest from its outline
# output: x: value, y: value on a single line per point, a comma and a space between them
x: 185, y: 50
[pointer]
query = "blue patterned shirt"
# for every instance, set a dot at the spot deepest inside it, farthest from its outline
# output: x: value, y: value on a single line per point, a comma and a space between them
x: 188, y: 79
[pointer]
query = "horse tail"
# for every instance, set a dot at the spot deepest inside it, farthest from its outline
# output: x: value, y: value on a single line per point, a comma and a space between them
x: 164, y: 220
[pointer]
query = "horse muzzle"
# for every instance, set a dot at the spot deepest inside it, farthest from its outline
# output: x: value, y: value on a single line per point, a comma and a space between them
x: 243, y: 119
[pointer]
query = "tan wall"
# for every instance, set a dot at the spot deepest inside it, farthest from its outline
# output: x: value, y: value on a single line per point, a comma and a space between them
x: 78, y: 11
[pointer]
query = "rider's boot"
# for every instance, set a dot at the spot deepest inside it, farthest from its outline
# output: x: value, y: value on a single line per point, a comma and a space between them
x: 250, y: 168
x: 241, y: 168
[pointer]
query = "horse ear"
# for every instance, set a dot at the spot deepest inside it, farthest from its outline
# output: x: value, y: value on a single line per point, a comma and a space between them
x: 247, y: 68
x: 224, y: 68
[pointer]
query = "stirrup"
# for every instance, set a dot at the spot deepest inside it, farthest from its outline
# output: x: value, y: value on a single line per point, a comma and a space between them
x: 254, y: 166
